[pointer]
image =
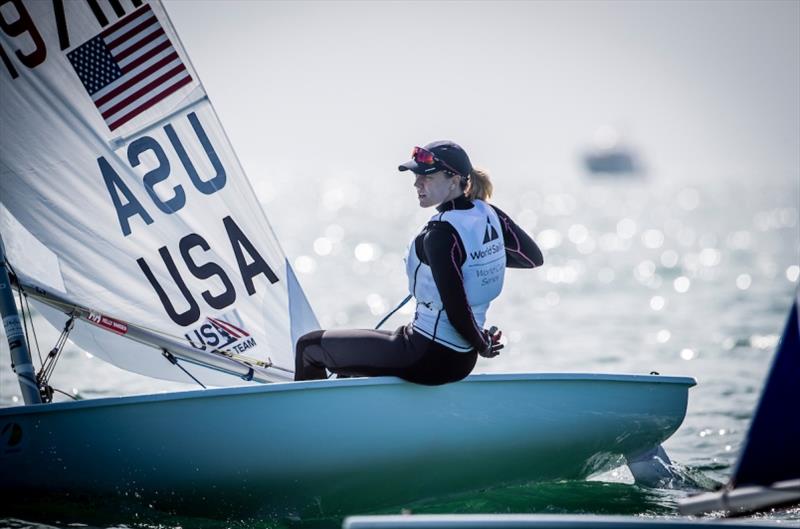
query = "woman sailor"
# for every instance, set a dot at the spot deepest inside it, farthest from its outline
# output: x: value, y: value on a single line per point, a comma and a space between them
x: 455, y: 268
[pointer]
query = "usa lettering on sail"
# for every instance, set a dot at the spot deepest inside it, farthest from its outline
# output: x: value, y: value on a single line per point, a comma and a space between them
x: 125, y: 202
x: 249, y: 260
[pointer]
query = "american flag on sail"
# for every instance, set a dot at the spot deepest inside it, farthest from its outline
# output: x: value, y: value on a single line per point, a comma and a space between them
x: 129, y: 67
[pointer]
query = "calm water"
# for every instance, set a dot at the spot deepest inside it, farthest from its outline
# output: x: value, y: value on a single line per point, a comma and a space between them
x: 685, y: 277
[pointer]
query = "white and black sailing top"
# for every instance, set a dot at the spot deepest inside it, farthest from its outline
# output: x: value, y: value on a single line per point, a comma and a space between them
x: 456, y: 266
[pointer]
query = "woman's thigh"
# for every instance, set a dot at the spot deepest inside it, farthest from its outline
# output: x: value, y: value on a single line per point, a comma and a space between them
x: 368, y: 351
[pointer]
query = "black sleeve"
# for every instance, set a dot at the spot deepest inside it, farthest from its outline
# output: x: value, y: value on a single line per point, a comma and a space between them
x: 521, y: 250
x: 444, y: 253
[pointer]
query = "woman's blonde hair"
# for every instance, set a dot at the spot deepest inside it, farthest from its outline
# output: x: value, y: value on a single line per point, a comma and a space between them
x: 479, y: 185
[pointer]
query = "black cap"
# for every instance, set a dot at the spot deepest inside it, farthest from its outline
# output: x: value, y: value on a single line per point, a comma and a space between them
x: 448, y: 152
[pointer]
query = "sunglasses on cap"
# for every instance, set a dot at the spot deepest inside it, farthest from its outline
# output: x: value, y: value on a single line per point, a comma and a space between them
x: 426, y: 157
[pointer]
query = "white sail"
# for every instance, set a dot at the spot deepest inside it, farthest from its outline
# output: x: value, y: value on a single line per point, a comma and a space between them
x: 113, y: 161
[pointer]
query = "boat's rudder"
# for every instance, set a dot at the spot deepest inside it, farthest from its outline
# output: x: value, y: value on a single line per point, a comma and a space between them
x: 654, y: 469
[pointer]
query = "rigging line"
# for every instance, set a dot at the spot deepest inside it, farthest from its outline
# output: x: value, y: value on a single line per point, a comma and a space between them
x: 55, y: 353
x: 23, y: 303
x: 25, y: 323
x: 248, y: 376
x: 393, y: 311
x: 73, y: 397
x: 26, y: 376
x: 42, y: 378
x: 174, y: 361
x: 33, y: 328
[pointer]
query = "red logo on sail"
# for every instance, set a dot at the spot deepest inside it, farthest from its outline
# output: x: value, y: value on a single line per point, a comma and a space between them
x: 109, y: 324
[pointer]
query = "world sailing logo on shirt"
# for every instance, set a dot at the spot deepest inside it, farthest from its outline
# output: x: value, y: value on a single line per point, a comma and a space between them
x: 129, y: 67
x: 491, y: 233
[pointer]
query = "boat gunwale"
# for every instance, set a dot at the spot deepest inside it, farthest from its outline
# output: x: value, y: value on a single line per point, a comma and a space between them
x: 279, y: 387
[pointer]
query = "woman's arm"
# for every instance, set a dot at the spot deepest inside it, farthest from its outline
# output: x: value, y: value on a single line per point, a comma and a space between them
x: 521, y: 250
x: 444, y: 253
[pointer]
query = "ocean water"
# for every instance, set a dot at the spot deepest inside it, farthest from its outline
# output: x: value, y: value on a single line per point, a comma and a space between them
x: 683, y: 276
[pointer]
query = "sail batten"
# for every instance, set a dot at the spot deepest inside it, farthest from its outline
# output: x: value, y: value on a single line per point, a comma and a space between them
x: 152, y: 220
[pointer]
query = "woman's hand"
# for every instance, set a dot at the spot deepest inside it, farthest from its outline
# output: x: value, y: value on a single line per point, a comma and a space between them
x: 492, y: 336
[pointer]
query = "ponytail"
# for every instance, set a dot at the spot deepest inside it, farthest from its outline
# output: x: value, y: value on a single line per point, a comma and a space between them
x: 479, y: 187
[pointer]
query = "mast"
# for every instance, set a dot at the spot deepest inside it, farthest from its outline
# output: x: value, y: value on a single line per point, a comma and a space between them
x: 20, y: 355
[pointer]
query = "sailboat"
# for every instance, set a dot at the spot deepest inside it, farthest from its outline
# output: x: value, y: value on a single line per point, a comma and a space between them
x: 128, y: 222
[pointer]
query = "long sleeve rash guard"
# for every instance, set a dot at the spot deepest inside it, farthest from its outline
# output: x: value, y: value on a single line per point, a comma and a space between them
x: 440, y: 247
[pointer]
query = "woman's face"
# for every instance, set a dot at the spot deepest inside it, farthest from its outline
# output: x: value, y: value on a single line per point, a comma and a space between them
x: 433, y: 189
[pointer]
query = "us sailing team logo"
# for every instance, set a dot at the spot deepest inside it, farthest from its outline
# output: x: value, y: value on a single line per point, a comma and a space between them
x: 215, y: 333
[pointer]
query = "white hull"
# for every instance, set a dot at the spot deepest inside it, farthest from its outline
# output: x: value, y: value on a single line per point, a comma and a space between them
x: 335, y: 446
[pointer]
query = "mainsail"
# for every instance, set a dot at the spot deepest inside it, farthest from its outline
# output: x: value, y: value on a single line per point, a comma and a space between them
x: 121, y: 195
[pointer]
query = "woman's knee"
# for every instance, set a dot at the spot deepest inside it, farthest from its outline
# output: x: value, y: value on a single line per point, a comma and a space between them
x: 306, y: 368
x: 309, y: 339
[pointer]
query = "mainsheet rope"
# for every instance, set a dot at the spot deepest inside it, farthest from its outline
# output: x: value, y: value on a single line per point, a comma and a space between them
x: 47, y: 366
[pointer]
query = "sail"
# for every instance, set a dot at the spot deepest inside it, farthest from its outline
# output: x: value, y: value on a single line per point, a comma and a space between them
x: 770, y: 449
x: 121, y: 192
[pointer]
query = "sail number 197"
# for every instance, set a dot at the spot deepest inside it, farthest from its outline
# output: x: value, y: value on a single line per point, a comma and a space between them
x: 27, y: 43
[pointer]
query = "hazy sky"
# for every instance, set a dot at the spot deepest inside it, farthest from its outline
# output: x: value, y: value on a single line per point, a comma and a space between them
x: 703, y: 88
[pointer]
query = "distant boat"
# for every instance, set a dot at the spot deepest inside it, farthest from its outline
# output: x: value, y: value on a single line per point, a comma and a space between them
x: 616, y: 161
x: 610, y: 156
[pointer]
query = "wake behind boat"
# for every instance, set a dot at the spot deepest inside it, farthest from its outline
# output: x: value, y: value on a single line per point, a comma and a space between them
x: 176, y: 274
